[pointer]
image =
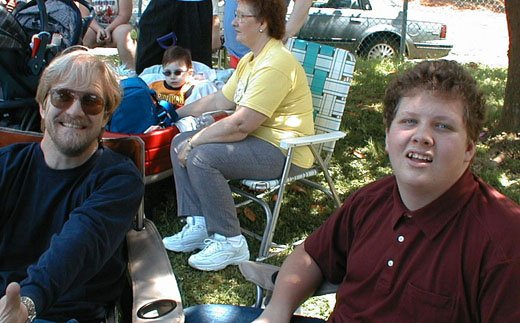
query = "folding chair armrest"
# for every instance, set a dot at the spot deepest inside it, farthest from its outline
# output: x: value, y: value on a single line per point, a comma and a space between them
x: 311, y: 140
x: 264, y: 275
x: 219, y: 112
x: 155, y: 291
x: 259, y: 273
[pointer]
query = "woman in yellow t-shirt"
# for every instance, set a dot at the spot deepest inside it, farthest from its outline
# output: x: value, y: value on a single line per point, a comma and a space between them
x: 271, y: 101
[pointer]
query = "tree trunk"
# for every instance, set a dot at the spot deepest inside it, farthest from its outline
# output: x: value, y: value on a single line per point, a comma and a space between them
x: 510, y: 117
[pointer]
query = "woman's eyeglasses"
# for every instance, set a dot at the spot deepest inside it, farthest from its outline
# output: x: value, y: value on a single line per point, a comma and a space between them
x: 176, y: 72
x: 240, y: 16
x: 90, y: 103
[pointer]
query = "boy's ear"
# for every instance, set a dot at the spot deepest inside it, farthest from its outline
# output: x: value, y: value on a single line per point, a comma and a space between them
x: 386, y: 140
x: 470, y: 151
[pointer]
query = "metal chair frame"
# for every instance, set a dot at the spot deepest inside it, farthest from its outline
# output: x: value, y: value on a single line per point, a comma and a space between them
x: 329, y: 72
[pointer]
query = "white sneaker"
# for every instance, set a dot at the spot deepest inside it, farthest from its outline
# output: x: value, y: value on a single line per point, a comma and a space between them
x: 219, y: 253
x: 190, y: 238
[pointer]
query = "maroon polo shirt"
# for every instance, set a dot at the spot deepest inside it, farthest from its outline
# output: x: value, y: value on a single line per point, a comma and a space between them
x: 454, y: 260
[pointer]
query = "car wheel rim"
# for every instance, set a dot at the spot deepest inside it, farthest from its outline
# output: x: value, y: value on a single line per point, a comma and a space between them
x: 381, y: 51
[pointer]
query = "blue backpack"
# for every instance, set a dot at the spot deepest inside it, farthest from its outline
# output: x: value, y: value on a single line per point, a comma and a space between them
x: 138, y: 109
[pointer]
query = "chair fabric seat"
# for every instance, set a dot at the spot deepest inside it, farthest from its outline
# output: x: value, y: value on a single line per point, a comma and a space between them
x: 264, y: 185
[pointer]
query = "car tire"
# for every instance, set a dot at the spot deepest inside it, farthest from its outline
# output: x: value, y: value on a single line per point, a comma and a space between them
x: 380, y: 47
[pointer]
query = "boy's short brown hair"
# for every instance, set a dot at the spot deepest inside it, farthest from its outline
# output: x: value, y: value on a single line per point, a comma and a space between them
x: 443, y: 77
x: 177, y: 53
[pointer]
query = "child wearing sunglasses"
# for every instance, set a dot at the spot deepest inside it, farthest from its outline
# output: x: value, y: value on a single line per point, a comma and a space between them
x: 177, y: 70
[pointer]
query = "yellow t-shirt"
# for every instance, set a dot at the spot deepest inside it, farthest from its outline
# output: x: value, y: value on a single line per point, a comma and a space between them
x: 274, y: 84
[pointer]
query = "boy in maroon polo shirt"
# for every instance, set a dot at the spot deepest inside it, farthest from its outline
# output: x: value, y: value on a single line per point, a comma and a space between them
x: 433, y: 242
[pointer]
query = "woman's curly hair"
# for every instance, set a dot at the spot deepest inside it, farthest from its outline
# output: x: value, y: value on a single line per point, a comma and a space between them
x: 273, y: 12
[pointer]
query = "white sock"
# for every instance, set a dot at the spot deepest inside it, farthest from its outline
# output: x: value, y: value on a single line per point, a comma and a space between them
x: 234, y: 241
x: 197, y: 220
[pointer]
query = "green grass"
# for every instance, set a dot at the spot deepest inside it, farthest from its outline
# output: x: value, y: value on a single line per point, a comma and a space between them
x: 359, y: 159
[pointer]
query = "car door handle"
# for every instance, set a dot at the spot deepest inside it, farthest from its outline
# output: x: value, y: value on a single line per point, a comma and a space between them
x: 355, y: 21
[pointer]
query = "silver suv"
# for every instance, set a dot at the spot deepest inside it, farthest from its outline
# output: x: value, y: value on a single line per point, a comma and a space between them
x: 372, y: 33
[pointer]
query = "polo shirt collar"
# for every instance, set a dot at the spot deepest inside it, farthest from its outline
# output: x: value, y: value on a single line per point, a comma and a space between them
x: 432, y: 218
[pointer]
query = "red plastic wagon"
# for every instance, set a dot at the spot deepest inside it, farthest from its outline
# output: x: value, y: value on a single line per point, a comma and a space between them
x: 157, y: 152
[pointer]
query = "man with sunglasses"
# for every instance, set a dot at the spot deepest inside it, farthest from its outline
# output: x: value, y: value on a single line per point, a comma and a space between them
x: 66, y: 203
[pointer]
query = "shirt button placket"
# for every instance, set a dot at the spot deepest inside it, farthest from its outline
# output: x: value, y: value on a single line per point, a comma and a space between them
x: 388, y: 275
x: 390, y: 262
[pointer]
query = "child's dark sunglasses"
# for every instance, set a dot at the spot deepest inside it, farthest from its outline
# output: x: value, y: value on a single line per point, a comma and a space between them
x: 90, y: 103
x: 176, y: 72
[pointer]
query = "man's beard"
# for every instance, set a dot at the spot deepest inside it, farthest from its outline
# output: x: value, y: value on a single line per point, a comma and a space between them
x: 72, y: 143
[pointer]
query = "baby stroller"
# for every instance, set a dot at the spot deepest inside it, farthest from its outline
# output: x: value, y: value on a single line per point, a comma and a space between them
x: 30, y: 37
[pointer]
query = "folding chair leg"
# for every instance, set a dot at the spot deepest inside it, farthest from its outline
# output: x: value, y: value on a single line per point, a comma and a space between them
x: 259, y: 296
x: 271, y: 217
x: 268, y: 215
x: 270, y: 227
x: 265, y: 239
x: 325, y: 169
x: 335, y: 195
x: 318, y: 187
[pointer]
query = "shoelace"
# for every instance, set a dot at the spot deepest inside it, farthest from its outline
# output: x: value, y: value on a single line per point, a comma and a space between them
x: 211, y: 246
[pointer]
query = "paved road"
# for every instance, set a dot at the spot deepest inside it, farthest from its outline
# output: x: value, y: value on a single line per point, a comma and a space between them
x: 479, y: 36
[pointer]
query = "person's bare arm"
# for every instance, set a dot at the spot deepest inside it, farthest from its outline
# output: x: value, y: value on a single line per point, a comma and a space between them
x: 233, y: 128
x: 93, y: 24
x: 297, y: 18
x: 298, y: 278
x: 230, y: 129
x: 215, y: 34
x: 212, y: 102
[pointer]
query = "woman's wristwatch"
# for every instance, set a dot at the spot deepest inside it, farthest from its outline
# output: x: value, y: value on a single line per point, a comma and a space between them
x: 189, y: 148
x: 190, y: 145
x: 31, y: 309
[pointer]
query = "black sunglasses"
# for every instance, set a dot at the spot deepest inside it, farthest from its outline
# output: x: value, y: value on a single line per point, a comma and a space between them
x: 90, y: 103
x: 176, y: 72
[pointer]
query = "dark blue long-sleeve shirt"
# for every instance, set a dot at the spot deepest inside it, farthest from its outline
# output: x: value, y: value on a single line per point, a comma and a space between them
x: 62, y: 231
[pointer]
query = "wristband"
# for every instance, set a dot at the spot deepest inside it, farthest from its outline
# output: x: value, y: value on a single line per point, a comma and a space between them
x: 190, y: 145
